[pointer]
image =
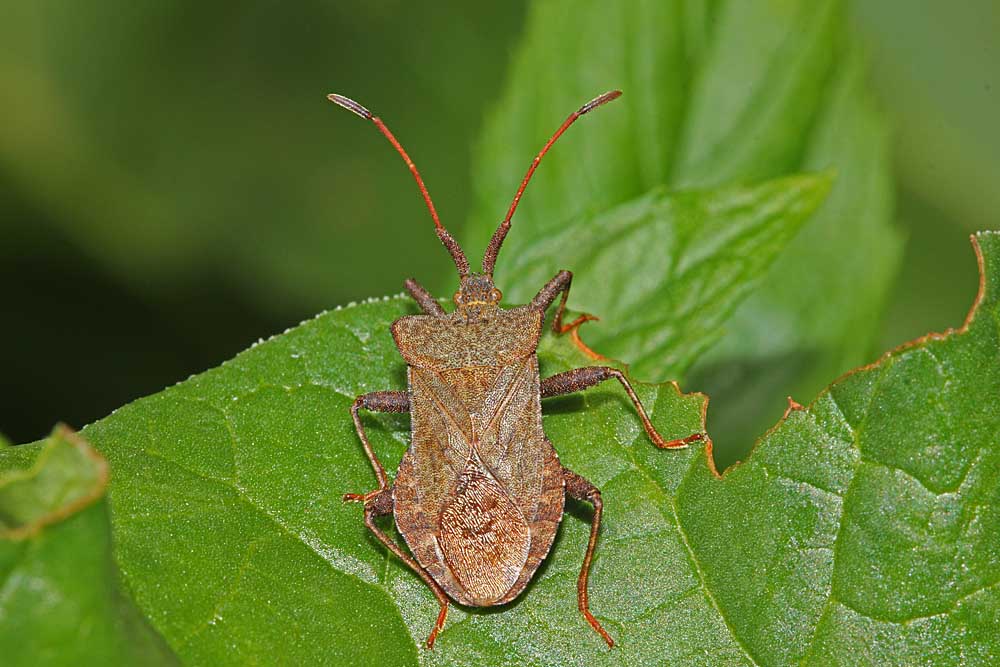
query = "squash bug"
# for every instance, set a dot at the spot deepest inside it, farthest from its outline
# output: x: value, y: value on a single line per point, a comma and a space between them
x: 479, y: 494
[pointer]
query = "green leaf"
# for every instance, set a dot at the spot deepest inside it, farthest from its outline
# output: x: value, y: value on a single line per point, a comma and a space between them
x: 667, y: 306
x: 715, y: 93
x: 232, y: 537
x: 866, y: 528
x: 866, y: 525
x: 819, y: 312
x: 60, y: 601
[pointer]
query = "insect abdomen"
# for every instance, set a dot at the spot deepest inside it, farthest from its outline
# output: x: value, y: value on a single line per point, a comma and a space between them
x: 483, y: 535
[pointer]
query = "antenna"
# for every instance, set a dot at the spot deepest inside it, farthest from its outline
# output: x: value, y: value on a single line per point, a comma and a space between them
x: 446, y: 238
x: 493, y: 249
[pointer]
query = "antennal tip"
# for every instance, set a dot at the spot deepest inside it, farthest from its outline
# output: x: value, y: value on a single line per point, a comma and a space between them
x: 599, y: 100
x: 350, y: 105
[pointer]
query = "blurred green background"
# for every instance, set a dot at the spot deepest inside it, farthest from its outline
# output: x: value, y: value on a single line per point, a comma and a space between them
x: 174, y: 186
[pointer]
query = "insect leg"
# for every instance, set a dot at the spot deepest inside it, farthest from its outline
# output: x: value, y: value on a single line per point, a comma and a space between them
x: 579, y: 488
x: 378, y: 401
x: 547, y: 295
x: 588, y: 376
x: 428, y: 304
x: 379, y: 503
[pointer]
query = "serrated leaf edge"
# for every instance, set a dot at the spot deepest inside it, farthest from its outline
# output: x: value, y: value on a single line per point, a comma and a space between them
x: 70, y: 508
x: 794, y: 406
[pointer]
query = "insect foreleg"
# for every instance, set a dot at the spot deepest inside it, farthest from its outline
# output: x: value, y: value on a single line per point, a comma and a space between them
x: 427, y: 303
x: 547, y: 295
x: 579, y: 379
x: 378, y: 401
x: 379, y: 503
x: 579, y: 488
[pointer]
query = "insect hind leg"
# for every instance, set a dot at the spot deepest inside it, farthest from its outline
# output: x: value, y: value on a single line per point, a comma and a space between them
x: 579, y: 488
x: 379, y: 503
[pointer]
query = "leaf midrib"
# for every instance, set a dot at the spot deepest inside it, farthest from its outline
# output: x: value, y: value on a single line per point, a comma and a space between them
x: 671, y: 501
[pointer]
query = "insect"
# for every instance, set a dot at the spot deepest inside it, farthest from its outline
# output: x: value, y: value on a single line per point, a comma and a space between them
x: 479, y: 494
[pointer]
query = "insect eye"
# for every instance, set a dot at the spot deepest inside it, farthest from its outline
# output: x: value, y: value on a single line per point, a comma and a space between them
x: 495, y: 295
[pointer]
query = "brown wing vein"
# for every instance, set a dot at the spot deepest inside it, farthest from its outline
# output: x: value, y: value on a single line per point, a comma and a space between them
x: 442, y: 408
x: 507, y: 398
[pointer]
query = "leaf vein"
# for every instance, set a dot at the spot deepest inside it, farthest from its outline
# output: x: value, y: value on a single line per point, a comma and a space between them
x: 674, y: 519
x: 282, y: 528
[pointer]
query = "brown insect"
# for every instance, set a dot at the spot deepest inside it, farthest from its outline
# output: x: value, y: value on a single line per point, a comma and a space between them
x: 479, y: 494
